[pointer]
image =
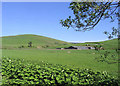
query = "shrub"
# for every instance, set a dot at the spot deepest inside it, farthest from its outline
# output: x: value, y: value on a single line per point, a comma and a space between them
x: 45, y: 46
x: 21, y: 46
x: 108, y: 57
x: 30, y: 44
x: 16, y: 72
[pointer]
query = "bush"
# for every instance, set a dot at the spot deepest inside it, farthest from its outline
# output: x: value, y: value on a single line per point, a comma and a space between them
x: 108, y: 57
x: 21, y: 46
x: 16, y: 72
x: 45, y: 46
x: 98, y: 47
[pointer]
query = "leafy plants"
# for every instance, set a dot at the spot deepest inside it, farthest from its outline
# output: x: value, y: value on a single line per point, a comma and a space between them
x: 18, y: 72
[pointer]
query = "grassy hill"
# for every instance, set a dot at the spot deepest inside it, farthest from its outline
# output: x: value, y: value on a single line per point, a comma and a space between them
x: 109, y: 44
x: 37, y: 41
x: 45, y: 42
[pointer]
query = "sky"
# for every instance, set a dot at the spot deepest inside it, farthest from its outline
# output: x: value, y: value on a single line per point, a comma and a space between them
x: 43, y: 18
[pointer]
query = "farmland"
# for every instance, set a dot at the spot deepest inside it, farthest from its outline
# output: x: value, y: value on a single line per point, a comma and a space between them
x: 50, y: 57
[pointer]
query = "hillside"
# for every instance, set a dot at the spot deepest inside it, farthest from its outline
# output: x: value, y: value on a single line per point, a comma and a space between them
x: 45, y: 42
x: 109, y: 44
x: 37, y: 41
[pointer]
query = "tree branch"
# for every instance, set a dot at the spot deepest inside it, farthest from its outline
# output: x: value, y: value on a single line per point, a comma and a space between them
x: 115, y: 4
x: 101, y: 15
x: 114, y: 10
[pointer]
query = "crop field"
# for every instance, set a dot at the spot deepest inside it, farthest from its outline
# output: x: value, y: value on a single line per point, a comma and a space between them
x: 16, y: 72
x: 50, y: 66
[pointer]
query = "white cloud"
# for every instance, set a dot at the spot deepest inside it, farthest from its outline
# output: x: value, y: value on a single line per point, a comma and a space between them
x: 85, y: 41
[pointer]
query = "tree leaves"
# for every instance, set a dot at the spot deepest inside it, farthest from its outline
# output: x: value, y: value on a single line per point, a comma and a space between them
x: 88, y: 14
x: 113, y: 34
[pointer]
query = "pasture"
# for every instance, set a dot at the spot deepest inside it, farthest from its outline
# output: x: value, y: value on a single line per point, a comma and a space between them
x: 22, y: 64
x: 71, y: 58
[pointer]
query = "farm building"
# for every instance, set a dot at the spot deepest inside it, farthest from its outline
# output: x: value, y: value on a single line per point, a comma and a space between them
x: 80, y: 47
x: 60, y: 48
x: 71, y: 47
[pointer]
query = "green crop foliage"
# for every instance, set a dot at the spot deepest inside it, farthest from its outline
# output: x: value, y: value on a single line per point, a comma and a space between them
x: 18, y: 72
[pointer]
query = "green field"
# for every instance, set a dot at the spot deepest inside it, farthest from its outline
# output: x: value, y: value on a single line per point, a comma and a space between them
x: 75, y: 58
x: 71, y: 58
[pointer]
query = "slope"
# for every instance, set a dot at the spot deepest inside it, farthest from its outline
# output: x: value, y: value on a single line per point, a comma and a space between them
x: 108, y: 44
x: 37, y: 41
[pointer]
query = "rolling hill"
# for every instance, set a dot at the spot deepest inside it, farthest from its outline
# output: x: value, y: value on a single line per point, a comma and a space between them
x: 37, y: 41
x: 45, y: 42
x: 109, y: 44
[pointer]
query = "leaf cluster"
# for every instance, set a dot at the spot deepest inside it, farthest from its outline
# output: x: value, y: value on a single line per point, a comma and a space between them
x: 17, y: 72
x: 114, y: 33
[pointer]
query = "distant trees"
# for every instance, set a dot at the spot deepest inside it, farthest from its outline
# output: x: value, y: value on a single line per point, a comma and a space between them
x: 29, y: 45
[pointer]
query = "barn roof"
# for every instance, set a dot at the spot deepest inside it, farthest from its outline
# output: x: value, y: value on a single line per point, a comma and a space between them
x: 80, y: 47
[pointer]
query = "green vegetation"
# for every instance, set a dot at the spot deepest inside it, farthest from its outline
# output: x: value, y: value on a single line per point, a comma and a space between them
x: 88, y: 14
x: 15, y: 72
x: 21, y: 41
x: 71, y: 58
x: 109, y: 44
x: 25, y: 65
x: 32, y: 59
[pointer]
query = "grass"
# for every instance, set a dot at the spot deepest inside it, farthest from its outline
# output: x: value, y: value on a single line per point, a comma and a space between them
x: 71, y: 58
x: 37, y: 41
x: 41, y: 42
x: 109, y: 44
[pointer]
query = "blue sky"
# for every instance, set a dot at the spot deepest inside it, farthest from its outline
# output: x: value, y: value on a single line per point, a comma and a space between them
x: 42, y: 18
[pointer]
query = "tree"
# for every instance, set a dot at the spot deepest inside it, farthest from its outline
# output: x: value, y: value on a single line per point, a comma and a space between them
x: 88, y: 15
x: 30, y: 44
